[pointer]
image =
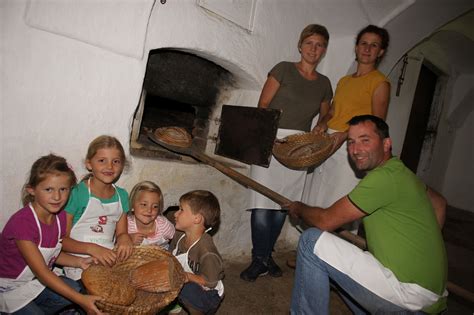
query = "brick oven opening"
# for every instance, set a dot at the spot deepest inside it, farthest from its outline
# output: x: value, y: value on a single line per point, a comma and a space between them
x: 179, y: 89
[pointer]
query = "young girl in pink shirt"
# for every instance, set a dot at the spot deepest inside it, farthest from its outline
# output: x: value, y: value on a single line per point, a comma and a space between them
x: 31, y: 244
x: 146, y: 224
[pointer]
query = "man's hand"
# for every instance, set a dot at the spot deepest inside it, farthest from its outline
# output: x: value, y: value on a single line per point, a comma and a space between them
x: 296, y: 208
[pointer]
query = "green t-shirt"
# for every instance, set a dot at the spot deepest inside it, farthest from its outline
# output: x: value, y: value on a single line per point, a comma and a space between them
x: 401, y: 227
x: 297, y: 97
x: 79, y: 198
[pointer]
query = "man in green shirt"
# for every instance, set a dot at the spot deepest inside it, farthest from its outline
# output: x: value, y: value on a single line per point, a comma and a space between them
x: 405, y: 267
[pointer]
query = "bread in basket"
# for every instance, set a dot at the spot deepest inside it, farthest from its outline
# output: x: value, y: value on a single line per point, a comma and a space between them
x: 303, y: 150
x: 114, y: 284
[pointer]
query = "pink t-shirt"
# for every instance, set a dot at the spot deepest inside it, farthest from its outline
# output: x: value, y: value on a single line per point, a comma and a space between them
x: 22, y: 226
x: 163, y: 228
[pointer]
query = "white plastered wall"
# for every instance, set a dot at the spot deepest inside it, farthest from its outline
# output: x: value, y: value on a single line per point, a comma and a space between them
x: 59, y: 92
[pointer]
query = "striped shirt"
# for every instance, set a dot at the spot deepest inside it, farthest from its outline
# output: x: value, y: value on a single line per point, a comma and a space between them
x: 164, y: 229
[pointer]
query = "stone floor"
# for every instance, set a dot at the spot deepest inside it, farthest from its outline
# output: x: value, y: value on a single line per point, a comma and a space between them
x: 270, y: 295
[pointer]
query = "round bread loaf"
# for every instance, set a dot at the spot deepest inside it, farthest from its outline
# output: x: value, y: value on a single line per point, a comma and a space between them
x: 113, y: 286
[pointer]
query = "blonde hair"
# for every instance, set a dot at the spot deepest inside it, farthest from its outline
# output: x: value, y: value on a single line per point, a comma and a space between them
x: 42, y: 168
x: 105, y: 142
x: 313, y: 29
x: 205, y: 203
x: 149, y: 187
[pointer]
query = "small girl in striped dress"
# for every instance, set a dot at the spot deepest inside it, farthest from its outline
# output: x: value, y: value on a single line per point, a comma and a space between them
x: 146, y: 224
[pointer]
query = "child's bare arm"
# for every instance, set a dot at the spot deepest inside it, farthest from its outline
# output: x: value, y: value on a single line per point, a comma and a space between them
x: 38, y: 266
x: 124, y: 242
x: 67, y: 260
x: 191, y: 277
x: 105, y: 256
x: 137, y: 238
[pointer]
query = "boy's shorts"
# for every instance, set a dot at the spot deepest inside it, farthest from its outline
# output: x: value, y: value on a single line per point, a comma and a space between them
x: 206, y: 301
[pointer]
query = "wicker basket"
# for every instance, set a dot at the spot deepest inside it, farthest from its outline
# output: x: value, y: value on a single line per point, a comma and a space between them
x: 303, y: 150
x: 145, y: 302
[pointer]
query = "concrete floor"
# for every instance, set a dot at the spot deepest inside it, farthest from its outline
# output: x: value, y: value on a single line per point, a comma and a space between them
x: 269, y: 295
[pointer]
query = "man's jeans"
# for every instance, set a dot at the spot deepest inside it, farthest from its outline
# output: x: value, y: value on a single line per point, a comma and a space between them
x: 312, y: 284
x: 266, y: 226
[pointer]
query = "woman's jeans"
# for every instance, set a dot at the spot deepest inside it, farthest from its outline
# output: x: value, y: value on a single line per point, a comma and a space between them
x: 266, y: 225
x: 313, y: 277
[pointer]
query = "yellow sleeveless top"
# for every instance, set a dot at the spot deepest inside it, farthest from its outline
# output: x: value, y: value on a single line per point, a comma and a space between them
x: 353, y: 97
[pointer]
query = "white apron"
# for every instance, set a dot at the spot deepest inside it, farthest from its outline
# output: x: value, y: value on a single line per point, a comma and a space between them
x: 277, y: 177
x: 96, y: 225
x: 331, y: 181
x: 162, y: 242
x: 183, y: 260
x: 16, y: 293
x: 365, y: 269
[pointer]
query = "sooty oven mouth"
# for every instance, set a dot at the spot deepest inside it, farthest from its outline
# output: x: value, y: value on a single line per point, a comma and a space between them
x: 179, y: 89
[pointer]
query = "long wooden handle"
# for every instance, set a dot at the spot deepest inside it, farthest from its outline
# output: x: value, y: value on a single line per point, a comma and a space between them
x: 242, y: 179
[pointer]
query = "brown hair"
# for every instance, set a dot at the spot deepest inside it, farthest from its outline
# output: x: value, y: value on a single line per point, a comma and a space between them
x: 313, y: 29
x: 149, y: 187
x: 205, y: 203
x: 381, y: 32
x: 381, y: 127
x: 43, y: 167
x: 105, y: 142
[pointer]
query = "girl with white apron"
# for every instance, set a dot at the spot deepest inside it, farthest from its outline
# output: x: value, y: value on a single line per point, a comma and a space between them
x: 96, y: 225
x: 17, y: 293
x: 184, y: 261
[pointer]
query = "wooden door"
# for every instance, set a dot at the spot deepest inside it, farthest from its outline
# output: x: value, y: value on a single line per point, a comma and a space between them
x: 419, y: 117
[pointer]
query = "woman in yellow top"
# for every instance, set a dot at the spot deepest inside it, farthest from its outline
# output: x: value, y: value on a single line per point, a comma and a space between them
x: 367, y: 91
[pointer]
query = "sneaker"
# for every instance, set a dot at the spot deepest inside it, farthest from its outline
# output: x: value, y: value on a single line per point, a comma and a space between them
x: 273, y: 269
x: 176, y: 309
x: 256, y: 269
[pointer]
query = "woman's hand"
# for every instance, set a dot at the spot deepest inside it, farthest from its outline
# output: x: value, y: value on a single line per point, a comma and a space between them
x: 338, y: 138
x: 320, y: 128
x: 105, y: 256
x: 137, y: 238
x: 124, y: 246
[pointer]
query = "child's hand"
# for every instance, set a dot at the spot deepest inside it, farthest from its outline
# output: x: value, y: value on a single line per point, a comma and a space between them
x: 124, y: 247
x: 105, y: 256
x: 85, y: 262
x: 88, y: 304
x: 186, y: 276
x: 137, y: 238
